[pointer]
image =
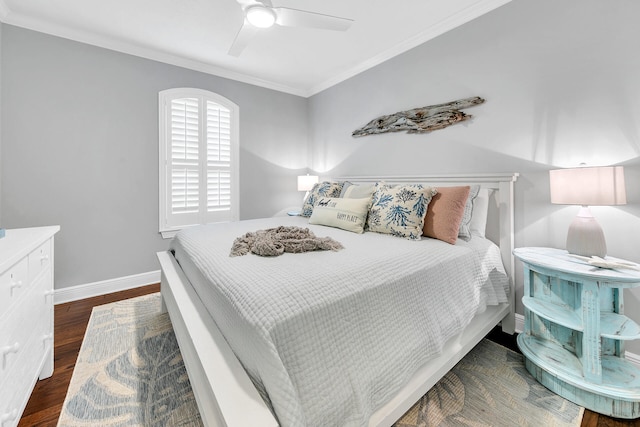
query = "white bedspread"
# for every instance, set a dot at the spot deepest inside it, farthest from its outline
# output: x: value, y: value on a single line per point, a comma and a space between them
x: 328, y: 337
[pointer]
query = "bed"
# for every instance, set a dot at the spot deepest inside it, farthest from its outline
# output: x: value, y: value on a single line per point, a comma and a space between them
x: 276, y: 358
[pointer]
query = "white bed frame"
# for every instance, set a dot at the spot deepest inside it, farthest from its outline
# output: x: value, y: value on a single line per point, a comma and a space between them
x: 224, y: 392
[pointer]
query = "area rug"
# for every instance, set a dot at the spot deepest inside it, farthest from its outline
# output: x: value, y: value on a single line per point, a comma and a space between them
x: 491, y: 387
x: 130, y: 373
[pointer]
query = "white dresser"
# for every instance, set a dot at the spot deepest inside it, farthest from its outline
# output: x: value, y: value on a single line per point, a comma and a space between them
x: 26, y: 316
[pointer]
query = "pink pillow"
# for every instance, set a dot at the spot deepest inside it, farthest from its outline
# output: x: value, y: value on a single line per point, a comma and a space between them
x: 444, y: 213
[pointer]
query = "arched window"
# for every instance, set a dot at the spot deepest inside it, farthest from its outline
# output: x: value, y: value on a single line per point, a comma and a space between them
x: 198, y: 159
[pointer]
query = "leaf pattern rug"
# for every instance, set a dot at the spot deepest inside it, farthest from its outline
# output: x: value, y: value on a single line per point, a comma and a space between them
x: 130, y: 373
x: 490, y: 387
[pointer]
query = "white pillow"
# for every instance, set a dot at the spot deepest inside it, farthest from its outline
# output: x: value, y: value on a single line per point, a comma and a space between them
x: 355, y: 191
x: 465, y: 231
x: 347, y: 214
x: 478, y: 224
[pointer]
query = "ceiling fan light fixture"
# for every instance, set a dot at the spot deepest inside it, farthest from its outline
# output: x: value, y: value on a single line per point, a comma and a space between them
x: 261, y: 16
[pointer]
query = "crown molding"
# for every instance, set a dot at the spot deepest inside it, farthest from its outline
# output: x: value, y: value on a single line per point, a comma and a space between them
x: 477, y: 9
x: 447, y: 24
x: 4, y: 11
x: 105, y: 42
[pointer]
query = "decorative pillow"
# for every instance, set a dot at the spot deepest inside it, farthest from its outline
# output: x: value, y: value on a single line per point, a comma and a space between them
x: 345, y: 185
x: 399, y: 209
x: 465, y: 232
x: 478, y: 224
x: 347, y: 214
x: 444, y: 213
x: 321, y: 189
x: 355, y: 191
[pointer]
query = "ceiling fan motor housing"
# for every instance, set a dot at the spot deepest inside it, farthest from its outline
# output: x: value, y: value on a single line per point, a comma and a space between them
x: 261, y: 16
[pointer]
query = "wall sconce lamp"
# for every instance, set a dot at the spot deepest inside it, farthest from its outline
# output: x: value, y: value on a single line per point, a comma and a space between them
x: 587, y: 186
x: 306, y: 183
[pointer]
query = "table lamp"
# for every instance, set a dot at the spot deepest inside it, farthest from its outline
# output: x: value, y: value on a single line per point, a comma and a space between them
x: 587, y: 186
x: 306, y: 183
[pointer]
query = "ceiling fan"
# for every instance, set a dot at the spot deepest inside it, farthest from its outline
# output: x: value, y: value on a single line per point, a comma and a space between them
x: 260, y: 14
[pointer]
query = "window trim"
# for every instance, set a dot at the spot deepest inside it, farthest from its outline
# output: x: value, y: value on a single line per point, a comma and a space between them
x: 164, y: 102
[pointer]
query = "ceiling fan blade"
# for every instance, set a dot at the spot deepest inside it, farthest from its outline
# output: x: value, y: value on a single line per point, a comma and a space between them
x: 246, y: 3
x: 301, y: 18
x: 244, y: 36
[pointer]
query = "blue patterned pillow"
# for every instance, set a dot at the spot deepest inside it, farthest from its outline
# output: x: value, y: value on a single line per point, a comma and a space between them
x: 321, y: 189
x: 399, y: 210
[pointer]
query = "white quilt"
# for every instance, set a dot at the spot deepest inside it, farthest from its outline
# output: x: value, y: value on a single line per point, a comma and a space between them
x: 328, y: 337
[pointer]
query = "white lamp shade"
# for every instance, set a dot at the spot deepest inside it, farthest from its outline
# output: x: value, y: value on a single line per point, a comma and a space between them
x: 306, y: 182
x: 599, y: 186
x: 593, y: 186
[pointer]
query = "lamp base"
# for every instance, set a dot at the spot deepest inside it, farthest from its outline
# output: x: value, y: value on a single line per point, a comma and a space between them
x: 585, y: 236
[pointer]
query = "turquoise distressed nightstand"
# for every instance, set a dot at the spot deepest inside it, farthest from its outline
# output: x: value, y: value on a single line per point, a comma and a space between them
x: 575, y: 330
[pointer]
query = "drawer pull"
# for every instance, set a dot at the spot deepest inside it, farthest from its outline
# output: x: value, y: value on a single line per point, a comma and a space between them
x: 8, y: 416
x: 44, y: 258
x: 16, y: 284
x: 8, y: 350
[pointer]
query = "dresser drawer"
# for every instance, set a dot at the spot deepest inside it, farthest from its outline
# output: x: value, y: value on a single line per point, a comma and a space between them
x: 22, y: 321
x: 15, y: 387
x: 13, y: 283
x: 39, y: 260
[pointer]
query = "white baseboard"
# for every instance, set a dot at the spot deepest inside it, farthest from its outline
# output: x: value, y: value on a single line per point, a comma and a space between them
x: 88, y: 290
x: 519, y: 323
x: 631, y: 357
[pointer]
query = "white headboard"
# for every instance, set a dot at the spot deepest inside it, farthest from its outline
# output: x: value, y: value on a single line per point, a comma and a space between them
x: 500, y: 228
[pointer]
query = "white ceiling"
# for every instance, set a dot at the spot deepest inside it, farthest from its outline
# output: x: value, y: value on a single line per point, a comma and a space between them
x: 197, y: 34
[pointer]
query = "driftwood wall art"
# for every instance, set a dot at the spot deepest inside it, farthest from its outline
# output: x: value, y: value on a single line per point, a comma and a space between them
x: 420, y: 120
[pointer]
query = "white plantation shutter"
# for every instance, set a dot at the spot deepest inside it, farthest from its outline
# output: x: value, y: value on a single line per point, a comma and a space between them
x: 218, y: 157
x: 198, y: 159
x: 184, y: 164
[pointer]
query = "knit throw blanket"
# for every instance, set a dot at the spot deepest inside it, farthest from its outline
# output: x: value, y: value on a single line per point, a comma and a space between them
x: 276, y: 241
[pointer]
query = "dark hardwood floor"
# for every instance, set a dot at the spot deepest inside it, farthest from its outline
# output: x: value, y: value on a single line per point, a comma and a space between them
x: 71, y: 320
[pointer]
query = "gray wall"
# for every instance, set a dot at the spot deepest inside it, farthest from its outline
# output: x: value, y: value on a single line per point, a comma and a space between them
x: 80, y: 149
x: 561, y: 84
